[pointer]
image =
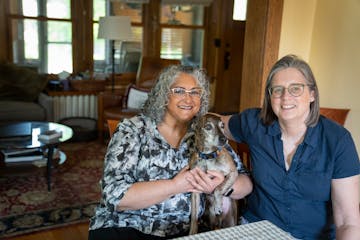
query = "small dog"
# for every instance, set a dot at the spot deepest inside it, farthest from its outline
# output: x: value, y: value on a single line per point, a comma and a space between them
x: 212, y: 155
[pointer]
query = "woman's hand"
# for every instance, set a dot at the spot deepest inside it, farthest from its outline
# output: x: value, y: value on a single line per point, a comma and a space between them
x: 205, y: 182
x: 181, y: 183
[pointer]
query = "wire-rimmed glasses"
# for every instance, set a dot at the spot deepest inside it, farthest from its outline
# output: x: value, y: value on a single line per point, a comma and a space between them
x: 181, y: 92
x: 295, y: 90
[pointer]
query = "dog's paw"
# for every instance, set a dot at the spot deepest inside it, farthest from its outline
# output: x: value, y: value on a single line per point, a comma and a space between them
x: 218, y: 210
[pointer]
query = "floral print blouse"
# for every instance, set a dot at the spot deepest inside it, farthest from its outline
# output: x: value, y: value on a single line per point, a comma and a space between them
x: 137, y: 152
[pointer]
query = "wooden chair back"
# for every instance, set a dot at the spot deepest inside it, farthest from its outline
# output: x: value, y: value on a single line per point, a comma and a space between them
x: 149, y: 68
x: 337, y: 114
x: 112, y: 105
x: 243, y: 151
x: 112, y: 124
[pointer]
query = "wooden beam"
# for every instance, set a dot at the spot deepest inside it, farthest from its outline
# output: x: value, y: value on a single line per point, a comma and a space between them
x: 151, y: 29
x: 262, y: 37
x: 5, y: 50
x: 82, y: 33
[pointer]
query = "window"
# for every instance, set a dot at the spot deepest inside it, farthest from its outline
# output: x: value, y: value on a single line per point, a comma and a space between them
x: 127, y: 54
x: 182, y: 32
x: 42, y: 34
x: 53, y: 37
x: 239, y: 11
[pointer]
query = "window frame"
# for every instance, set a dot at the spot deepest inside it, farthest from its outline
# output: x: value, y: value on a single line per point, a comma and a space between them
x: 42, y: 31
x: 83, y: 37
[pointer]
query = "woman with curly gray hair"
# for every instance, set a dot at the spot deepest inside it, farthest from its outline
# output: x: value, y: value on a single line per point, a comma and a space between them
x: 146, y: 185
x: 159, y: 95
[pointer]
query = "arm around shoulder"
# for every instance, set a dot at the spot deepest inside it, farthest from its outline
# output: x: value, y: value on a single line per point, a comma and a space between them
x: 225, y: 120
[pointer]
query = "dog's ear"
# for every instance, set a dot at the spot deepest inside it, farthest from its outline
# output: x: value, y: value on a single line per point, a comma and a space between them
x: 213, y: 116
x: 197, y: 123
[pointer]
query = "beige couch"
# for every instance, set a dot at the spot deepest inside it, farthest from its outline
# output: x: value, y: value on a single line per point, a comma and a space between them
x: 21, y: 96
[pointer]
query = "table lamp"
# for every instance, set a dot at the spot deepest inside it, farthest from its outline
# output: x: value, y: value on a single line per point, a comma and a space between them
x: 114, y: 28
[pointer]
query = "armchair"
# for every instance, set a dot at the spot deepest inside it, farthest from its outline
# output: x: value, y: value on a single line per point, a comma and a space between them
x: 119, y: 105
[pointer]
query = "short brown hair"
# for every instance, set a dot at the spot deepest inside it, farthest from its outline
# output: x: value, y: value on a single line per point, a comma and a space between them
x: 291, y: 61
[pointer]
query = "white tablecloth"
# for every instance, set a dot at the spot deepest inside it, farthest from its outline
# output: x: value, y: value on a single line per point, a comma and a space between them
x: 257, y: 230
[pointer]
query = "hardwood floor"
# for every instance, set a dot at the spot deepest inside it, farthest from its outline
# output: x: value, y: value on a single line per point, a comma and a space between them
x: 72, y: 232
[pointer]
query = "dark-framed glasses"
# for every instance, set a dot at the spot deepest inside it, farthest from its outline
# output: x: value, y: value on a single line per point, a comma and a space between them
x: 181, y: 92
x: 295, y: 90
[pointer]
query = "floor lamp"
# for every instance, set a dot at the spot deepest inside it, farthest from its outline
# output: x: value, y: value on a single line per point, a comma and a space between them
x: 114, y: 28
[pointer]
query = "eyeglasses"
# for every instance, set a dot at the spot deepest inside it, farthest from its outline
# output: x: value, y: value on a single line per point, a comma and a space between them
x: 181, y: 92
x: 295, y: 90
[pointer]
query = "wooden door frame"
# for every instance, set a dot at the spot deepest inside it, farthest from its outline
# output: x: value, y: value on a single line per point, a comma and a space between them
x: 231, y: 46
x: 261, y: 47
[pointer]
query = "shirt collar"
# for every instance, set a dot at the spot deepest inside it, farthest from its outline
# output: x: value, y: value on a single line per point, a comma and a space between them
x: 311, y: 136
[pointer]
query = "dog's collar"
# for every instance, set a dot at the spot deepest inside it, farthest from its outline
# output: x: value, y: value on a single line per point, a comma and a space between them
x: 207, y: 156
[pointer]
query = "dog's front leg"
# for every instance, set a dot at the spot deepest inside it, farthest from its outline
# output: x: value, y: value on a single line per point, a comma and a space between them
x: 228, y: 182
x: 216, y: 209
x: 195, y: 208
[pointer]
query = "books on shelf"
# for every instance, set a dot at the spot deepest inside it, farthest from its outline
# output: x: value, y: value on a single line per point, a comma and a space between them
x: 22, y: 155
x: 22, y: 129
x: 49, y: 135
x: 16, y: 151
x: 15, y: 132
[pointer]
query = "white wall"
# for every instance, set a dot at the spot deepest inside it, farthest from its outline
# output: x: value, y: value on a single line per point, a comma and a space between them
x: 326, y: 33
x: 335, y: 57
x: 296, y: 28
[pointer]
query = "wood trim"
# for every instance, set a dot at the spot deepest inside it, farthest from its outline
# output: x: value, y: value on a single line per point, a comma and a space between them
x: 82, y: 35
x: 38, y: 18
x: 151, y: 30
x: 194, y: 27
x: 211, y: 62
x: 5, y: 51
x: 70, y: 93
x: 262, y: 37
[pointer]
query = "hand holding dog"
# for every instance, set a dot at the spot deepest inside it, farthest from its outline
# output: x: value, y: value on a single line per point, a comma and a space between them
x: 205, y: 182
x: 182, y: 183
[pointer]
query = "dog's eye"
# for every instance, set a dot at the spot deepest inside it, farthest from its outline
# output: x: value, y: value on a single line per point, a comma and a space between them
x: 208, y: 126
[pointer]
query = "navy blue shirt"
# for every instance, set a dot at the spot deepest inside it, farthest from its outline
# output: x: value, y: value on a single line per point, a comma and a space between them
x: 297, y: 200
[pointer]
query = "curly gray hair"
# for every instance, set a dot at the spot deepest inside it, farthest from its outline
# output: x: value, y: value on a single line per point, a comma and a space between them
x: 155, y: 105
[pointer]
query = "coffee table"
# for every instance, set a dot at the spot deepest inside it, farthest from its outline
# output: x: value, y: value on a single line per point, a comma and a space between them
x: 33, y: 142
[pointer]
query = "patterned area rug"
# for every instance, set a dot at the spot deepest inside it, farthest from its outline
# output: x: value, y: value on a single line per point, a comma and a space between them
x: 26, y: 205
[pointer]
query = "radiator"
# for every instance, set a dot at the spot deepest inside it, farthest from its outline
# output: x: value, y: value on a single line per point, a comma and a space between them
x: 74, y: 106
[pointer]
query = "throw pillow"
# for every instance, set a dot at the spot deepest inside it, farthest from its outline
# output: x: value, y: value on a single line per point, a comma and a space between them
x: 20, y: 83
x: 136, y: 97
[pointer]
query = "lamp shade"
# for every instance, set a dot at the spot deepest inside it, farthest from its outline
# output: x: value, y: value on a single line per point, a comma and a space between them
x: 115, y: 28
